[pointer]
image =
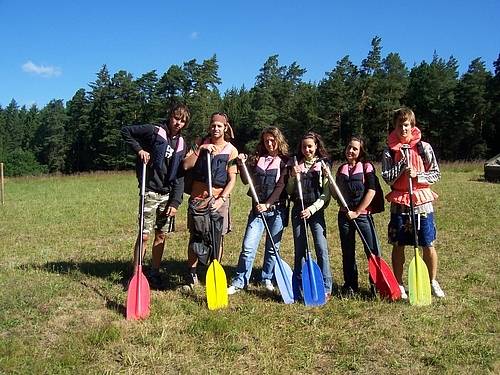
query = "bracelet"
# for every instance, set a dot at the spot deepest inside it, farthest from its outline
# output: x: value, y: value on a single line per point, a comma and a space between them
x: 223, y: 198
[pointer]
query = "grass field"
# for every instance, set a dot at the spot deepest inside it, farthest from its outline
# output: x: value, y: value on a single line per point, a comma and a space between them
x: 66, y: 245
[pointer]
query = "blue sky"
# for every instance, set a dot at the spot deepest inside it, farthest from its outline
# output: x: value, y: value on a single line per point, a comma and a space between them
x: 50, y: 49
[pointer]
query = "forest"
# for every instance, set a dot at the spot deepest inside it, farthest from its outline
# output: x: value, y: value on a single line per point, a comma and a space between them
x: 458, y: 114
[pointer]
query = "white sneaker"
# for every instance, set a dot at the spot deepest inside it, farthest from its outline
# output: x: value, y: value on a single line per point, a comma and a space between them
x: 232, y: 290
x: 436, y: 289
x: 268, y: 285
x: 403, y: 292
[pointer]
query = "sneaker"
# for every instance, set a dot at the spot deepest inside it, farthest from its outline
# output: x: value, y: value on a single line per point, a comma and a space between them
x: 233, y: 289
x: 403, y: 292
x: 193, y: 279
x: 436, y: 289
x: 154, y: 278
x: 191, y: 283
x: 268, y: 285
x: 328, y: 296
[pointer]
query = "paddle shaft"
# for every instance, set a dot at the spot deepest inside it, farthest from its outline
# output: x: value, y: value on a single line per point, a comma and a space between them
x: 256, y: 199
x: 140, y: 309
x: 344, y: 204
x: 309, y: 261
x: 215, y: 278
x: 215, y: 252
x: 406, y: 150
x: 301, y: 197
x: 418, y: 273
x: 377, y: 261
x: 140, y: 247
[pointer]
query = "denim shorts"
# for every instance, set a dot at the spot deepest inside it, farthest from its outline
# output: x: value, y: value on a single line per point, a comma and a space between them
x: 400, y: 230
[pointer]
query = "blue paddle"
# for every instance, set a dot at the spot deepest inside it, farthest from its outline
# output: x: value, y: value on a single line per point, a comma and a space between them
x: 313, y: 286
x: 282, y: 270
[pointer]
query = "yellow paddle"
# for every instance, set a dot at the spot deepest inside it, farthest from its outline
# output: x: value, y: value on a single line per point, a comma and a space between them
x: 418, y: 275
x: 216, y: 281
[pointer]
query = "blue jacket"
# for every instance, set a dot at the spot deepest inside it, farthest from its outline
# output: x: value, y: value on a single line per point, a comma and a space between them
x: 163, y: 174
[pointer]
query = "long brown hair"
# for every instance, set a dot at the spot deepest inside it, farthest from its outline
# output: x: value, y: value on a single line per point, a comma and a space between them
x: 362, y: 149
x: 320, y: 146
x: 281, y: 142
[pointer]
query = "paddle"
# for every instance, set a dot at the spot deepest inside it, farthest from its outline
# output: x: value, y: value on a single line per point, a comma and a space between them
x: 313, y: 286
x: 380, y: 272
x: 418, y: 275
x: 216, y: 282
x: 282, y: 270
x: 138, y: 295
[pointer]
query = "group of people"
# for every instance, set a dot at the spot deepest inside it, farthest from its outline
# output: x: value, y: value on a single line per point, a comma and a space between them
x: 208, y: 171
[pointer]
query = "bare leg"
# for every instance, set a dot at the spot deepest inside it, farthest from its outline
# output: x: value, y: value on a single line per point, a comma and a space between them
x: 398, y: 261
x: 221, y: 249
x: 191, y: 263
x: 431, y: 260
x: 158, y: 246
x: 192, y: 258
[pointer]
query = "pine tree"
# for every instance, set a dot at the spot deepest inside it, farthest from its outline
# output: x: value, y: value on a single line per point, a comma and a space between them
x: 237, y: 103
x: 31, y: 124
x: 204, y: 97
x: 50, y: 138
x: 275, y: 98
x: 431, y: 95
x: 101, y: 119
x: 336, y: 105
x: 472, y: 111
x: 492, y: 127
x: 366, y: 87
x: 149, y: 101
x: 390, y: 87
x: 14, y: 127
x: 3, y: 136
x: 79, y: 134
x: 173, y: 87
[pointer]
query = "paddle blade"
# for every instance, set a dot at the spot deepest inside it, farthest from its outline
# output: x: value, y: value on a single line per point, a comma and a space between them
x: 383, y: 278
x: 216, y: 287
x: 312, y: 284
x: 283, y: 274
x: 418, y: 282
x: 138, y: 296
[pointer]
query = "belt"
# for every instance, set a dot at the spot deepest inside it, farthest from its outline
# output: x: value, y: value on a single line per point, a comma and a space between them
x: 276, y: 205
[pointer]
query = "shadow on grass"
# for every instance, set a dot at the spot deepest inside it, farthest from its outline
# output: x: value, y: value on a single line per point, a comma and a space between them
x: 118, y: 272
x: 173, y: 276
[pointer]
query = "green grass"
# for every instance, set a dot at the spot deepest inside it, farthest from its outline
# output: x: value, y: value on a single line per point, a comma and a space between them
x: 66, y: 246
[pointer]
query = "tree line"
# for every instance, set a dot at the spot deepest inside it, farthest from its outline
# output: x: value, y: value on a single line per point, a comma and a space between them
x: 459, y: 115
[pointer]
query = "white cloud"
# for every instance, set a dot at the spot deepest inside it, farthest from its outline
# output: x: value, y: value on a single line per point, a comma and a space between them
x: 194, y: 35
x: 44, y: 71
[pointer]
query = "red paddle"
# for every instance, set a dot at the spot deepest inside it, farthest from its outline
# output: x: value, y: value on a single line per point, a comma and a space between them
x: 380, y: 272
x: 139, y: 295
